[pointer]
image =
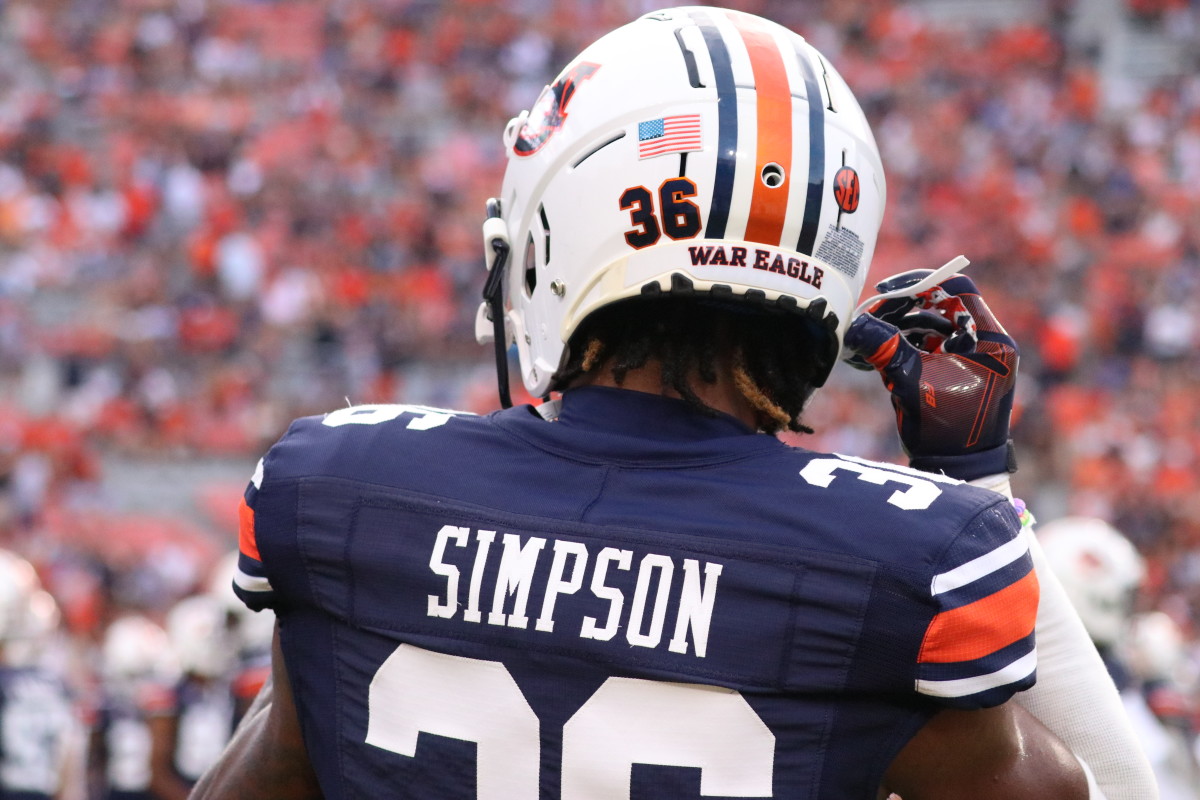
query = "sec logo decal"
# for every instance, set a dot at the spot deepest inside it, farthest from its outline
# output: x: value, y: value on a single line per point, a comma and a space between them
x: 846, y: 190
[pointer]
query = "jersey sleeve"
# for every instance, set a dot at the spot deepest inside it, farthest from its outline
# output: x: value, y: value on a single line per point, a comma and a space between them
x: 979, y: 648
x: 250, y: 581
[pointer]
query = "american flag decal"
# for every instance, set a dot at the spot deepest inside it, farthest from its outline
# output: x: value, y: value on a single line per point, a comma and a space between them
x: 677, y: 134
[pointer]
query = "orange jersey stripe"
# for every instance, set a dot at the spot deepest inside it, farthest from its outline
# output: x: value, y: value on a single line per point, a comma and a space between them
x: 981, y: 628
x: 768, y: 205
x: 246, y: 541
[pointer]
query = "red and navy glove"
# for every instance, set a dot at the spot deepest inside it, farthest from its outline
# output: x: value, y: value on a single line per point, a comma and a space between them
x: 951, y: 369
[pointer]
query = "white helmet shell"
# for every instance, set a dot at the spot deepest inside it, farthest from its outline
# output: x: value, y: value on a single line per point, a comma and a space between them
x: 693, y: 150
x: 197, y: 629
x: 137, y: 649
x: 18, y: 584
x: 28, y: 614
x: 1100, y: 570
x: 1156, y: 647
x: 253, y: 630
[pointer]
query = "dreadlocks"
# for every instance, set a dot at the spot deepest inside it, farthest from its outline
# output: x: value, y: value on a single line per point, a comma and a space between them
x: 771, y: 352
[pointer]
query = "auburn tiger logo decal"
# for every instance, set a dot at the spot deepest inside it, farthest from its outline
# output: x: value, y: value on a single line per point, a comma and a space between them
x: 550, y: 110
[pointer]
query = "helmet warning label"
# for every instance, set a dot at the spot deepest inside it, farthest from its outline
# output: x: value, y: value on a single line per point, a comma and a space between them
x: 841, y: 249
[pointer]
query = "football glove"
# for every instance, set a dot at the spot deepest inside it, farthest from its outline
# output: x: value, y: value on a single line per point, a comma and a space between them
x: 951, y: 369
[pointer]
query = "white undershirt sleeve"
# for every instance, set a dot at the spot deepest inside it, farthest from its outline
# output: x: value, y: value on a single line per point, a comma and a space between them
x: 1074, y: 696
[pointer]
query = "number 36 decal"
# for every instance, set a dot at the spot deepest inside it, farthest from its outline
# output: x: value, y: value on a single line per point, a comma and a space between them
x: 680, y: 216
x: 626, y: 721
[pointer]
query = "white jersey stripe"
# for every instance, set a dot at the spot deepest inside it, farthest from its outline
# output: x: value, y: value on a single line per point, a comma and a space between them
x: 1023, y: 667
x: 983, y: 566
x: 257, y: 477
x: 250, y: 583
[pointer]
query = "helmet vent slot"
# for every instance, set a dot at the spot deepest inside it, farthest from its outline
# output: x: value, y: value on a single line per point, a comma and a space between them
x: 689, y: 61
x: 825, y: 80
x: 545, y: 233
x: 598, y: 148
x: 530, y: 266
x: 773, y: 175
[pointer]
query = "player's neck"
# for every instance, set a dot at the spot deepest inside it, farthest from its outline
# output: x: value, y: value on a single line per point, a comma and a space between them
x: 722, y: 396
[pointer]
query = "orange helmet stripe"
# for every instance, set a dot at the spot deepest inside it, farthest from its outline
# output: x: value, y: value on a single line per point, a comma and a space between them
x: 768, y: 205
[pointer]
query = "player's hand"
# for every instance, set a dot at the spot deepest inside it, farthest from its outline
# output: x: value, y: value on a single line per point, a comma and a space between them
x: 951, y: 369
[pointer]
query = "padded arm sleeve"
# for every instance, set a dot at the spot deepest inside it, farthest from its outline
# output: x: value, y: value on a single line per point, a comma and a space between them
x: 1075, y: 697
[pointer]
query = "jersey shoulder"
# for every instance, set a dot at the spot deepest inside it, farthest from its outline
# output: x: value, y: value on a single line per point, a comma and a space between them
x: 961, y: 552
x: 347, y: 439
x: 365, y: 443
x: 887, y: 504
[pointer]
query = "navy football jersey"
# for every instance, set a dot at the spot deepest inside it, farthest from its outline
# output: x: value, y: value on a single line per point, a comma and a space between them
x: 204, y: 712
x: 631, y: 601
x: 125, y: 737
x: 36, y: 725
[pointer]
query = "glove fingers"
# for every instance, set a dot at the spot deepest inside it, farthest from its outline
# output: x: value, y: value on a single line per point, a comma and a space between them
x: 893, y: 309
x: 978, y: 329
x: 901, y: 280
x: 960, y: 343
x: 957, y: 285
x: 883, y: 346
x: 958, y: 295
x: 951, y: 317
x: 863, y: 338
x: 925, y: 322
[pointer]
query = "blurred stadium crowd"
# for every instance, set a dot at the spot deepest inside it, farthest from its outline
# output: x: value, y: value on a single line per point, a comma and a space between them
x: 217, y: 215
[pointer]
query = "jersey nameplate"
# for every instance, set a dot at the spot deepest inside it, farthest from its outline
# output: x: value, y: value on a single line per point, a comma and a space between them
x: 638, y: 600
x: 687, y: 587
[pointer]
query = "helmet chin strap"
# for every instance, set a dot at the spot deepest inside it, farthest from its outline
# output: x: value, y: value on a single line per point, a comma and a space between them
x: 493, y: 295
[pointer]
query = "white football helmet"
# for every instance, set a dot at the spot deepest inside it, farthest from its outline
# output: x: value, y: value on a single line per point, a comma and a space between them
x: 252, y: 630
x: 1156, y: 646
x: 42, y: 619
x: 136, y: 649
x: 199, y: 635
x: 1100, y: 570
x: 28, y: 614
x: 694, y: 150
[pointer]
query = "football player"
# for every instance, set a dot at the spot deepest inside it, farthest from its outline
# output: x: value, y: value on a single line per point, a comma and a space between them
x: 139, y: 673
x: 1162, y: 703
x: 39, y: 730
x: 630, y: 591
x: 188, y: 738
x: 1101, y: 572
x: 250, y: 634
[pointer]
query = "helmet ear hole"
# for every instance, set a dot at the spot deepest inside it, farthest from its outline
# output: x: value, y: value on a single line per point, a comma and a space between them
x: 530, y: 266
x: 773, y: 175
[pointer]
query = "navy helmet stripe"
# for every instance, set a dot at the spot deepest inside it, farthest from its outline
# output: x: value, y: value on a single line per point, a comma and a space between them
x: 816, y: 155
x: 727, y: 127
